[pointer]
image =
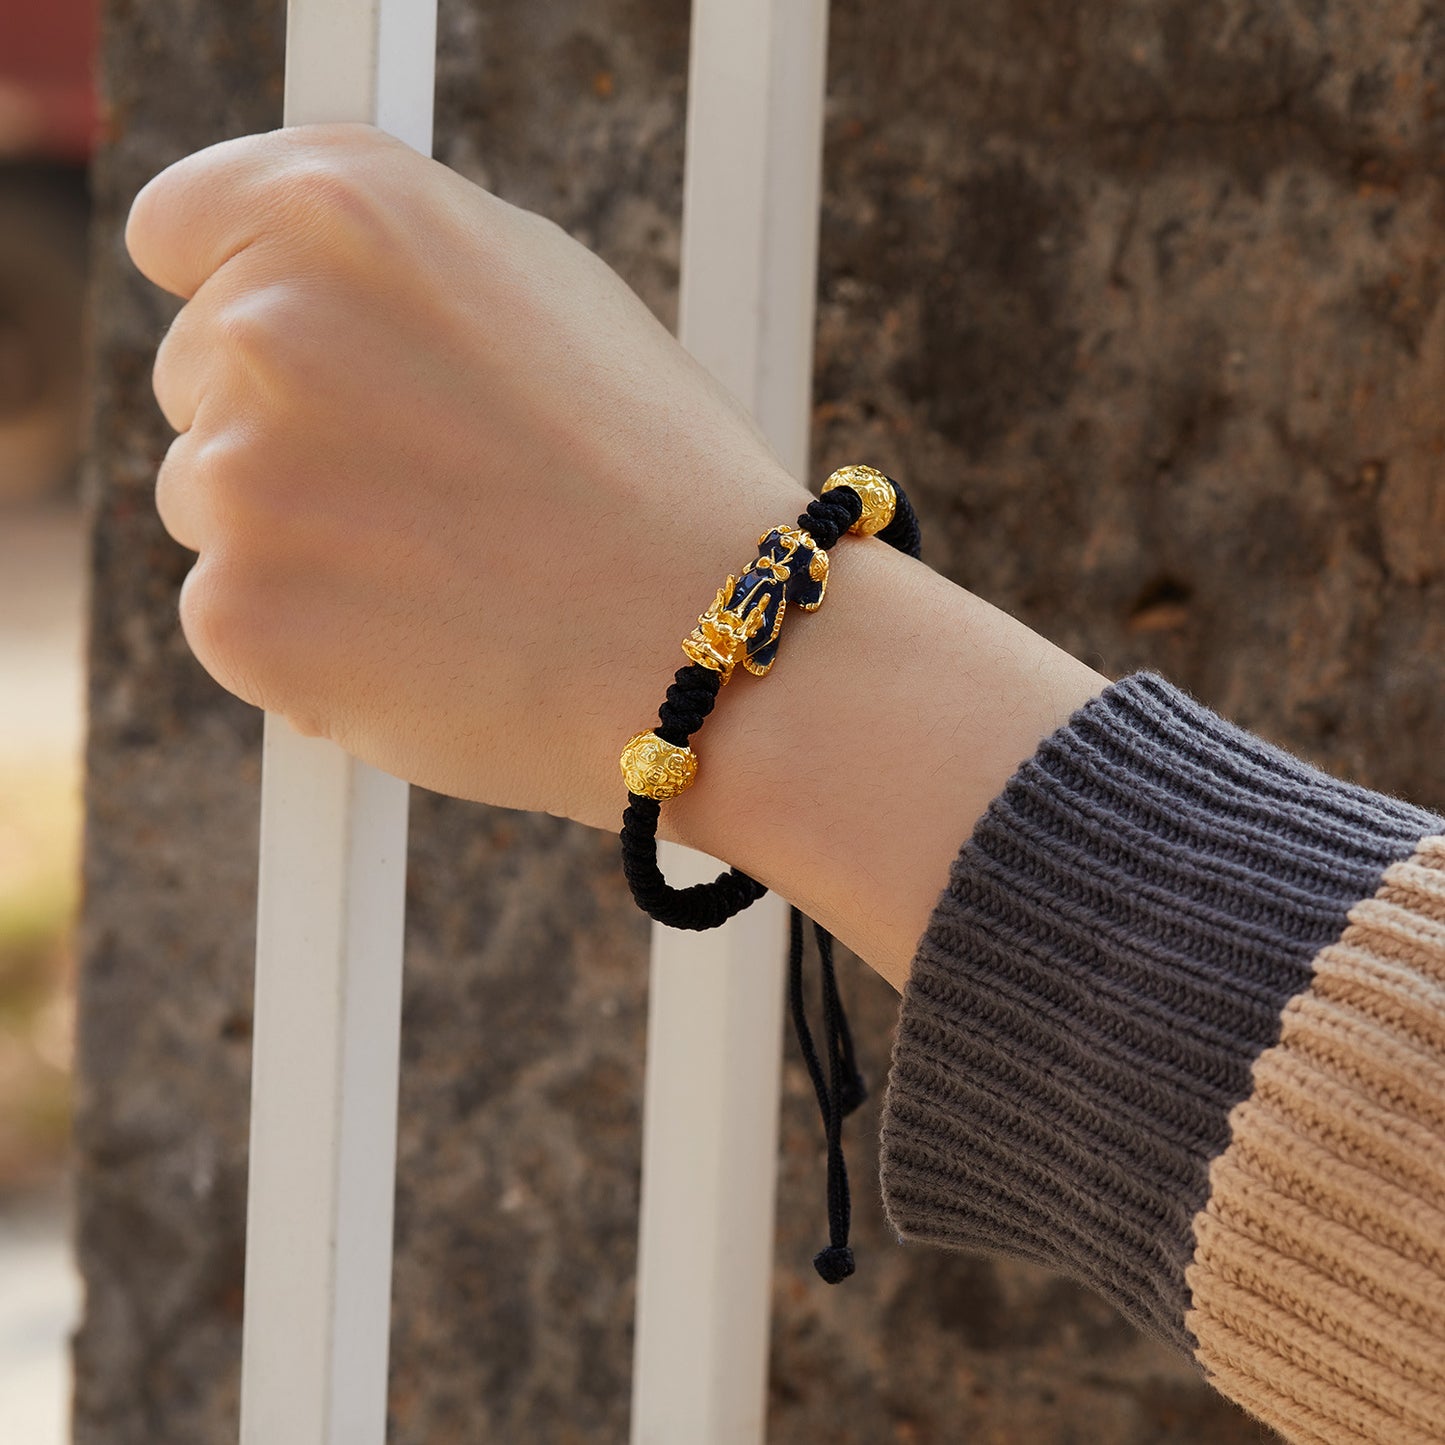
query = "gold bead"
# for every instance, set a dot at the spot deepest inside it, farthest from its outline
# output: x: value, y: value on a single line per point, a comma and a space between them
x: 655, y: 768
x: 876, y: 492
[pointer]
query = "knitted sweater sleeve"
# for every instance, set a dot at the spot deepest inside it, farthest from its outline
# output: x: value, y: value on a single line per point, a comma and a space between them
x: 1176, y: 1028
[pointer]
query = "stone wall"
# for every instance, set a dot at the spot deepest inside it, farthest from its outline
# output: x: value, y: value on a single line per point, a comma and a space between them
x: 1140, y: 299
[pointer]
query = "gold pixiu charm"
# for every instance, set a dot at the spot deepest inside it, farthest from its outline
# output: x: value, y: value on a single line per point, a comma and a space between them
x: 722, y: 633
x: 746, y: 616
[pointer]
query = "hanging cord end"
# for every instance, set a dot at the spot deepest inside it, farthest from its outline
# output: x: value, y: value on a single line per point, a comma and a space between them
x: 854, y: 1093
x: 835, y: 1263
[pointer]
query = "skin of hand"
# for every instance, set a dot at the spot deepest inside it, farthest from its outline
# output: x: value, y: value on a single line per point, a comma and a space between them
x: 457, y: 495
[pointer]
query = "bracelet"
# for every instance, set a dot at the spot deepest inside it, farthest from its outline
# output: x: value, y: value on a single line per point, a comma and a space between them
x: 743, y: 625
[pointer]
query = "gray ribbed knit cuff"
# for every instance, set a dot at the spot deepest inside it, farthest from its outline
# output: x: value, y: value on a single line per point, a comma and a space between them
x: 1111, y: 954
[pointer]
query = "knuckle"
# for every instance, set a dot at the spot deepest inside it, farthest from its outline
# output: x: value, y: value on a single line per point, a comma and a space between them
x: 204, y: 491
x: 250, y: 325
x: 218, y: 471
x: 249, y: 489
x: 145, y: 222
x: 217, y: 617
x: 236, y: 622
x: 171, y: 492
x: 330, y: 191
x: 254, y: 332
x: 170, y: 374
x: 263, y: 333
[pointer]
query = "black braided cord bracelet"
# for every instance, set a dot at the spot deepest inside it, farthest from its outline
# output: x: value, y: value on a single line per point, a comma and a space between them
x: 743, y: 625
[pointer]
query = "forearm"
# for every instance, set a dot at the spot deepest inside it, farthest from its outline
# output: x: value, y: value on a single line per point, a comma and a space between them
x: 847, y: 779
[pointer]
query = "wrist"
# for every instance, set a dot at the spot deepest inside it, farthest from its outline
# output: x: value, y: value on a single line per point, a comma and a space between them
x: 848, y: 779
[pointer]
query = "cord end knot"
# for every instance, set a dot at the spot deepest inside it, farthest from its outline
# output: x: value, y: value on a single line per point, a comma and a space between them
x: 835, y: 1263
x: 853, y: 1093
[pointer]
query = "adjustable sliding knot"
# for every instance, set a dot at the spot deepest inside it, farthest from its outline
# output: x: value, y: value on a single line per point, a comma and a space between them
x: 835, y: 1263
x: 743, y: 626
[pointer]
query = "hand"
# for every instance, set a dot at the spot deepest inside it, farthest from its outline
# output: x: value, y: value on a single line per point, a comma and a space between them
x: 456, y: 494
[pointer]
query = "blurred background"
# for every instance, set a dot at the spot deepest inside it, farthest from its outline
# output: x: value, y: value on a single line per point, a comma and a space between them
x: 47, y: 125
x: 1146, y: 303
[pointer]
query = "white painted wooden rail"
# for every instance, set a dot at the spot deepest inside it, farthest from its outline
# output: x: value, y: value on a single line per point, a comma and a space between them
x: 333, y: 841
x: 329, y: 932
x: 749, y: 275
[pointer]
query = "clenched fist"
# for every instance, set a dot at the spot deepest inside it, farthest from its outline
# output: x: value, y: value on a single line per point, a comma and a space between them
x: 456, y: 493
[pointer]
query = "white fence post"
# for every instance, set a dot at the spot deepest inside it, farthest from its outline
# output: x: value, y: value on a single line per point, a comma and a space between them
x: 329, y: 932
x: 749, y: 269
x: 333, y: 841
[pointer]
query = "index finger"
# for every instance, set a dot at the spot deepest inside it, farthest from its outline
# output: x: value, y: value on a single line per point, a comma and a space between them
x: 197, y: 214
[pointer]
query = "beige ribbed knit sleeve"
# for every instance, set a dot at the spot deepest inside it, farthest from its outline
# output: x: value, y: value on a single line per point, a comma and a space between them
x: 1318, y: 1278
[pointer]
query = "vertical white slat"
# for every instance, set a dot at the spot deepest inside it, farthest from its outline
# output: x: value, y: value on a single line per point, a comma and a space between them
x: 749, y: 268
x: 329, y: 932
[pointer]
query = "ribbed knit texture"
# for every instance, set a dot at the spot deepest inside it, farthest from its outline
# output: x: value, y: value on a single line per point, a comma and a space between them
x: 1318, y: 1279
x: 1111, y: 955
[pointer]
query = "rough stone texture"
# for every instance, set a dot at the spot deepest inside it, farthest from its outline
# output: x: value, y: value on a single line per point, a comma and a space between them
x: 1142, y: 300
